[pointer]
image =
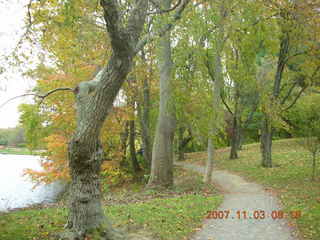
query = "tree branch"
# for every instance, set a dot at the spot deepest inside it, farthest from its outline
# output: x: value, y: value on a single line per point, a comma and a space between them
x: 209, y: 66
x: 250, y: 116
x: 161, y: 11
x: 42, y: 97
x: 295, y: 100
x: 225, y: 103
x: 303, y: 89
x: 136, y: 19
x: 289, y: 93
x: 150, y: 37
x: 53, y: 91
x: 113, y: 23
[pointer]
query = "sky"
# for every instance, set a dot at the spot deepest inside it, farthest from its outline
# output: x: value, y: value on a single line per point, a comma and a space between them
x: 12, y: 83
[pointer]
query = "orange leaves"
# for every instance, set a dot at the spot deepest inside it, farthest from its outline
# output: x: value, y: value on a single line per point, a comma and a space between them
x: 54, y: 163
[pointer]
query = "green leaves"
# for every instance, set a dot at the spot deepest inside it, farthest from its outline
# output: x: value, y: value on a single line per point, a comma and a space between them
x: 31, y: 121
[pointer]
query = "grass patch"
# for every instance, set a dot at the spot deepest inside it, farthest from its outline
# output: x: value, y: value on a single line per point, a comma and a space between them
x: 17, y: 151
x: 169, y: 214
x: 291, y: 179
x: 168, y: 219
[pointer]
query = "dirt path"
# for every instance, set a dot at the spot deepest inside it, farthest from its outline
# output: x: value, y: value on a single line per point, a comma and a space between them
x: 250, y: 198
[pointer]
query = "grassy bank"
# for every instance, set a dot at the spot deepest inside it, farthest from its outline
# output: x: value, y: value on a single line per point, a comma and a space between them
x: 17, y: 151
x: 168, y: 215
x: 290, y: 179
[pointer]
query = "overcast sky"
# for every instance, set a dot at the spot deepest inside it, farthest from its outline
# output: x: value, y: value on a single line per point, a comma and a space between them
x: 12, y: 84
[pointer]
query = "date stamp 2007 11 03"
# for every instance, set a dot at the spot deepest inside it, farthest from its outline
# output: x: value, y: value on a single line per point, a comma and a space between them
x: 255, y: 214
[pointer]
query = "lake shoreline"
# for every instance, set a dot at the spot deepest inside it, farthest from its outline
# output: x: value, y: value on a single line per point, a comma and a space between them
x: 32, y: 207
x: 17, y: 190
x: 19, y: 151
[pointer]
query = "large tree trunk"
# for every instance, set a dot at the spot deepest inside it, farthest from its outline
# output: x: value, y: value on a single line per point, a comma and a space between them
x: 266, y: 142
x: 85, y: 156
x: 162, y: 152
x: 86, y: 212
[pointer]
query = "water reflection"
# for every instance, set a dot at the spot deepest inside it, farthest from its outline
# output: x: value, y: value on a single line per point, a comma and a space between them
x: 16, y: 190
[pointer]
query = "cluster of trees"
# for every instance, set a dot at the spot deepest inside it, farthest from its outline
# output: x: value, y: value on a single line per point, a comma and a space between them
x: 12, y: 137
x: 166, y: 77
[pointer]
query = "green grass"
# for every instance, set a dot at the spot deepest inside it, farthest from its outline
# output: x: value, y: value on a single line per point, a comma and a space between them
x: 172, y: 218
x: 169, y: 214
x: 16, y: 151
x: 291, y: 179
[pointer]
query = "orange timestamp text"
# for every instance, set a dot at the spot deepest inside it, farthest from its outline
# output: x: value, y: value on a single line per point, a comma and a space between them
x: 252, y: 214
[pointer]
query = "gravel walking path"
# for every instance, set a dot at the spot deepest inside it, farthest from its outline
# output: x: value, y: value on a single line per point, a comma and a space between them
x: 253, y: 202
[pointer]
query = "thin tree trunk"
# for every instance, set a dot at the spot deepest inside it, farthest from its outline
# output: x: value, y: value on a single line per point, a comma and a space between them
x: 217, y: 87
x: 266, y: 131
x: 144, y: 116
x: 210, y: 160
x: 132, y: 146
x: 314, y: 158
x: 234, y: 139
x: 181, y: 144
x: 123, y: 139
x: 266, y: 142
x: 240, y: 138
x: 235, y: 136
x: 162, y: 152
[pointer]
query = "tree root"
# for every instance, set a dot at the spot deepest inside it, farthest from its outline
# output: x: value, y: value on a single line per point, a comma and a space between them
x: 100, y: 233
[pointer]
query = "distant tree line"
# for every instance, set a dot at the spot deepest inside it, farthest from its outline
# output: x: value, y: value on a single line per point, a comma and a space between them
x: 12, y: 137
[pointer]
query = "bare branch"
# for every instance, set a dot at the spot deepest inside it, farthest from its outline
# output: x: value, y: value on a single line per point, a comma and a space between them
x: 42, y: 97
x: 53, y: 91
x: 29, y: 13
x: 161, y: 11
x: 16, y: 97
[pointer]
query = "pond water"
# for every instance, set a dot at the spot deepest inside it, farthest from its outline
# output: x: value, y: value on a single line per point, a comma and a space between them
x: 16, y: 190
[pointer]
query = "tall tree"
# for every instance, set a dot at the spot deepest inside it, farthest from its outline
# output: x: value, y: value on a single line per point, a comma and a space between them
x: 295, y: 41
x: 162, y: 152
x: 144, y: 108
x: 215, y: 69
